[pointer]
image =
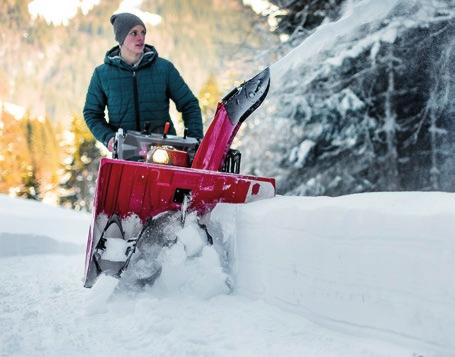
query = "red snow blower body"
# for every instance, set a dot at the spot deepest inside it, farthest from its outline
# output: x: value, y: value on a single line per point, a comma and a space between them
x: 152, y: 173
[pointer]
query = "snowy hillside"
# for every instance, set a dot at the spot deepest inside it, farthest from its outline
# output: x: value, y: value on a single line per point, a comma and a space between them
x: 360, y: 275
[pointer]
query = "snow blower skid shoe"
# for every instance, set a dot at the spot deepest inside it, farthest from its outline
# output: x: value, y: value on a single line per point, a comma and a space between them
x: 113, y: 251
x: 151, y: 174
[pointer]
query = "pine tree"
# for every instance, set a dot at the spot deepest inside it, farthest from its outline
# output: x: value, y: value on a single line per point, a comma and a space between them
x: 80, y: 165
x: 30, y: 181
x: 298, y: 18
x: 30, y: 185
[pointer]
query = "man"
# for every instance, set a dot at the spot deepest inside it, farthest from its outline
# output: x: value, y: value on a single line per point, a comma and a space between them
x: 136, y: 84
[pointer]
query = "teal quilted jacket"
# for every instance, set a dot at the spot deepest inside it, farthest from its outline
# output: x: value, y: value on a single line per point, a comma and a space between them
x: 137, y: 96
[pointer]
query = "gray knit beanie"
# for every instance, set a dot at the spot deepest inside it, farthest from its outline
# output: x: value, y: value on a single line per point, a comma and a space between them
x: 123, y: 23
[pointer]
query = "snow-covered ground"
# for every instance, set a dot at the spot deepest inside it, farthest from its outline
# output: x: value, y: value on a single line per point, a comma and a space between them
x: 360, y: 275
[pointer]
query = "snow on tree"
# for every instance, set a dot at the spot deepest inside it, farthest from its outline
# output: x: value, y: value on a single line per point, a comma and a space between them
x: 372, y: 111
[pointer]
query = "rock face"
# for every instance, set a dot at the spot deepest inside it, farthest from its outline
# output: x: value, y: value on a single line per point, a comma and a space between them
x: 375, y: 112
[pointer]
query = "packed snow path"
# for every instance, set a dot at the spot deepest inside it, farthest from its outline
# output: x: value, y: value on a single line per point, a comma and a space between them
x: 46, y: 312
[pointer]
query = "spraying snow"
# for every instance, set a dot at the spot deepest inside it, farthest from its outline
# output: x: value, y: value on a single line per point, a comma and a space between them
x: 174, y: 259
x: 356, y: 15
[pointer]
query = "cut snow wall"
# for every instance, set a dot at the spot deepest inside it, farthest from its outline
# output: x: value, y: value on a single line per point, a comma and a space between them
x: 380, y: 265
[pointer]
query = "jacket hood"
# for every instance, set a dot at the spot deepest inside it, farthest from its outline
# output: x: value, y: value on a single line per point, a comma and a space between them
x: 113, y: 57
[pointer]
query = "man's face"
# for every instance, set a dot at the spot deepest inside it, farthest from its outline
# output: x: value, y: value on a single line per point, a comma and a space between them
x: 135, y: 40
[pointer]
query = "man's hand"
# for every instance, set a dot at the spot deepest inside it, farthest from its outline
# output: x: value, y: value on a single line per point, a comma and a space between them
x: 110, y: 144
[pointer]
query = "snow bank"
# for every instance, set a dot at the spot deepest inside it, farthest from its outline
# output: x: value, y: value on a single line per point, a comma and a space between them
x: 27, y: 244
x: 31, y: 227
x: 22, y: 216
x: 378, y: 264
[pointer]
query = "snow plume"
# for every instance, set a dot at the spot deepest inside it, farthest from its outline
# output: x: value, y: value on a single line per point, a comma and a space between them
x: 357, y: 15
x: 191, y: 266
x: 290, y: 75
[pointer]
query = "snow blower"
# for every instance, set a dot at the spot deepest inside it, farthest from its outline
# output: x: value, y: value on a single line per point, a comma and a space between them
x: 152, y: 175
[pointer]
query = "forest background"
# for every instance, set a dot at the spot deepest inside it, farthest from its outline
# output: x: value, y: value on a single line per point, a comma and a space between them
x: 363, y: 115
x: 46, y: 150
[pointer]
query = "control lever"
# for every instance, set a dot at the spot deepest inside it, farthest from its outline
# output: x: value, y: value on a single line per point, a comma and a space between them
x: 167, y: 126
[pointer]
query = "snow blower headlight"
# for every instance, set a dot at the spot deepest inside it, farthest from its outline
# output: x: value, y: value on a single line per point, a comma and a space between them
x: 160, y: 156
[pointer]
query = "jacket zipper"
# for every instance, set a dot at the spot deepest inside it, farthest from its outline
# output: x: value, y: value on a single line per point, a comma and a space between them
x: 136, y: 102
